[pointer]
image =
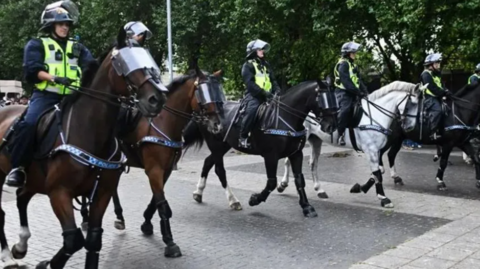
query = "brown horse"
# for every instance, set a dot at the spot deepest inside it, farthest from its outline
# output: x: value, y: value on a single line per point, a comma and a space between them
x: 156, y: 146
x: 83, y: 149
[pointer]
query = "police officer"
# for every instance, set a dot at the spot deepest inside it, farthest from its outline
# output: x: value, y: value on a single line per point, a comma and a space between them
x: 260, y: 82
x: 348, y: 86
x: 52, y: 62
x: 138, y: 31
x: 434, y: 92
x: 476, y: 76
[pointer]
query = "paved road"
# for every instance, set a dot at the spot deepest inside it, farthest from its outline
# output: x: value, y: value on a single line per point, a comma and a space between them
x: 349, y: 229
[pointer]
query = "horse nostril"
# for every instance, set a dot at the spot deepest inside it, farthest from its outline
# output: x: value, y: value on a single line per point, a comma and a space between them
x: 153, y: 100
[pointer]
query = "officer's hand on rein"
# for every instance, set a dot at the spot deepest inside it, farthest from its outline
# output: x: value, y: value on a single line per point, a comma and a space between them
x: 62, y: 80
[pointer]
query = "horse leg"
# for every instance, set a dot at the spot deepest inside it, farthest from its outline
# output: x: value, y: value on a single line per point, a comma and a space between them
x: 207, y: 166
x: 376, y: 179
x: 437, y: 156
x: 316, y: 145
x: 443, y: 164
x: 7, y: 258
x: 470, y: 152
x: 271, y: 163
x: 392, y: 154
x: 147, y: 226
x: 19, y: 250
x: 286, y: 174
x: 296, y: 160
x: 233, y: 202
x: 73, y: 239
x: 119, y: 223
x: 467, y: 159
x: 84, y: 213
x: 93, y: 242
x: 157, y: 176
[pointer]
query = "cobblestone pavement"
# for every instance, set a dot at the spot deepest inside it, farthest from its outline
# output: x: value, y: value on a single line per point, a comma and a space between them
x: 424, y: 230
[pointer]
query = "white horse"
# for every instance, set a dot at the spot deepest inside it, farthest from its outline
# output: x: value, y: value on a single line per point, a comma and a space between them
x: 371, y: 135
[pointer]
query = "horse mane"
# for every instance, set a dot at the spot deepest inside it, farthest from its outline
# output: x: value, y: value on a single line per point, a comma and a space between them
x: 466, y: 89
x: 88, y: 75
x: 305, y: 84
x: 178, y: 81
x: 396, y: 86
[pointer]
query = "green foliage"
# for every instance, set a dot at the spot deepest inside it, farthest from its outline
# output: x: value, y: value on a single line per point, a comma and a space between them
x: 305, y: 35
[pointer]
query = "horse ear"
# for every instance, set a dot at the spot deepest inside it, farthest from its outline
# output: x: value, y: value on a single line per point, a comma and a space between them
x: 199, y: 72
x: 121, y: 38
x: 218, y: 74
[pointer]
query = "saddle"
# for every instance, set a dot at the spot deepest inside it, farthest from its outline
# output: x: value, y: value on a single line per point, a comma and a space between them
x: 266, y: 116
x: 47, y: 130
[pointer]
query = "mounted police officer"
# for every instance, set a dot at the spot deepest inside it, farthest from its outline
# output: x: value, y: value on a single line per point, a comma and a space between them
x: 476, y: 76
x: 260, y: 82
x: 52, y: 62
x: 138, y: 31
x: 434, y: 92
x: 348, y: 86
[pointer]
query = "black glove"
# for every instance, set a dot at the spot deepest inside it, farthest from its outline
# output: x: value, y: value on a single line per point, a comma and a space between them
x: 448, y: 93
x: 361, y: 94
x: 62, y: 80
x: 269, y: 95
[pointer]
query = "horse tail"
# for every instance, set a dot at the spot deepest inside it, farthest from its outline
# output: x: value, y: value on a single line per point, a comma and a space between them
x: 192, y: 136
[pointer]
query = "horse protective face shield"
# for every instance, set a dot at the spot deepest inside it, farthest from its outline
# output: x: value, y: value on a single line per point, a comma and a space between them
x: 210, y: 95
x: 129, y: 59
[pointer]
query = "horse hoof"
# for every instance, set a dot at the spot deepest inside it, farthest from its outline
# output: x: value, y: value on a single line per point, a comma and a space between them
x: 197, y: 197
x: 84, y: 226
x: 172, y: 251
x: 435, y: 158
x: 236, y: 206
x: 11, y: 264
x: 322, y: 195
x: 398, y: 181
x: 43, y: 265
x: 254, y: 199
x: 17, y: 254
x: 147, y: 228
x: 309, y: 212
x: 356, y: 188
x: 281, y: 187
x: 119, y: 224
x: 441, y: 186
x: 385, y: 202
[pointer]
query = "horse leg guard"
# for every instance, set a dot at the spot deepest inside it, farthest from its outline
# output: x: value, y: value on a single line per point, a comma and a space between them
x: 73, y: 241
x: 172, y: 250
x: 93, y: 245
x: 256, y: 198
x: 308, y: 210
x: 365, y: 188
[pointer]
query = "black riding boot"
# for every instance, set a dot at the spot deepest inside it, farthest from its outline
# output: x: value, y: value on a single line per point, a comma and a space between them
x: 16, y: 177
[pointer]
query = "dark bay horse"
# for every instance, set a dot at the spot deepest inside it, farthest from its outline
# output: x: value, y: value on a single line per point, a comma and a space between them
x: 460, y: 130
x: 85, y: 159
x: 286, y: 140
x: 156, y: 144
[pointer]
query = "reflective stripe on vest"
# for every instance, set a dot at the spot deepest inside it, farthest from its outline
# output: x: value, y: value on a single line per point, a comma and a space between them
x: 262, y: 79
x: 66, y: 67
x: 353, y: 75
x: 436, y: 80
x: 470, y: 78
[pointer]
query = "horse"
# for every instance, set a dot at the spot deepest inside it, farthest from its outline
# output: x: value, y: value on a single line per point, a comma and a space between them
x: 282, y: 135
x: 155, y: 144
x: 79, y: 154
x: 460, y: 130
x: 397, y: 100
